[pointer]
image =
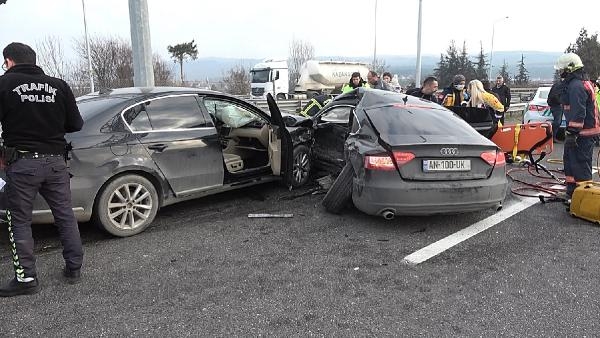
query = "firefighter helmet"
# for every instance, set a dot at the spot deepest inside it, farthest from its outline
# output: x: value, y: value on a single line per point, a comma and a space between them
x: 568, y: 62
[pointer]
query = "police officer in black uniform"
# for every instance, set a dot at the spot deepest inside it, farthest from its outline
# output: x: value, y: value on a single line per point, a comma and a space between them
x: 36, y: 111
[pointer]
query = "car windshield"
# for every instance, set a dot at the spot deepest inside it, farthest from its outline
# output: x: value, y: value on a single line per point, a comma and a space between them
x: 260, y: 76
x: 90, y: 108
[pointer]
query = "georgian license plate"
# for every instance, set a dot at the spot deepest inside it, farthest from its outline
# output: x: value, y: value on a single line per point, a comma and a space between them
x: 446, y: 165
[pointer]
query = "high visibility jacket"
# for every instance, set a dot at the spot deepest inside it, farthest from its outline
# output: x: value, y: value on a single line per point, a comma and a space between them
x: 453, y: 97
x: 348, y: 88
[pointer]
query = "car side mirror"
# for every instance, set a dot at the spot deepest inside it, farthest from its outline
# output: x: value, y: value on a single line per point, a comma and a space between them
x: 276, y: 76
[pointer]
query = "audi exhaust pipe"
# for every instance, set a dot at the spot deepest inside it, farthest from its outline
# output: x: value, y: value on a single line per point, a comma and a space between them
x: 388, y: 214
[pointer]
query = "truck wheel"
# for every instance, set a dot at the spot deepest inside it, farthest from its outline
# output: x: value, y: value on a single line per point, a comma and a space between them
x: 340, y: 192
x: 280, y: 96
x: 126, y: 206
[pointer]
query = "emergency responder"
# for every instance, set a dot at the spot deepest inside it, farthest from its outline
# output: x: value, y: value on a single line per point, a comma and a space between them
x: 427, y: 90
x: 36, y: 111
x: 581, y: 114
x: 355, y: 81
x: 315, y: 105
x: 455, y: 95
x: 555, y: 108
x: 503, y: 93
x: 480, y: 98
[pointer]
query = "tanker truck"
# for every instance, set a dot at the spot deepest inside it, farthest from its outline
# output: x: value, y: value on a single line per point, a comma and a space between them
x: 316, y: 77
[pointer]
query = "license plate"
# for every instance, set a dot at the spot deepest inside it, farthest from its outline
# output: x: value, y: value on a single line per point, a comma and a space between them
x: 446, y: 165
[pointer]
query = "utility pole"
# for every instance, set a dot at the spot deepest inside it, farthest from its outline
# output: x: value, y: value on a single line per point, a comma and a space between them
x: 375, y: 37
x: 143, y: 70
x: 418, y: 71
x: 492, y: 49
x: 87, y: 47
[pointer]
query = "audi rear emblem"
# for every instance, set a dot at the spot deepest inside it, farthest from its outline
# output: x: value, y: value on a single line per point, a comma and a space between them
x: 449, y: 151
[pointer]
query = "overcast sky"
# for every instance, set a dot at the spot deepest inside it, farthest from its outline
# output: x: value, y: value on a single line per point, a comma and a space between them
x: 256, y: 29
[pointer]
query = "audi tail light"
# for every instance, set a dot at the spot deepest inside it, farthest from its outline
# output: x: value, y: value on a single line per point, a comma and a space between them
x: 536, y: 107
x: 494, y: 157
x: 384, y: 162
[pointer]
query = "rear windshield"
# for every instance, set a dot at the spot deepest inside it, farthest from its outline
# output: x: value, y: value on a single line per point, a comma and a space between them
x: 543, y: 94
x: 417, y: 120
x: 90, y: 108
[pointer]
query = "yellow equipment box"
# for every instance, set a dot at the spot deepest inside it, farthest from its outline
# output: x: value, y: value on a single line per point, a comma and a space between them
x: 585, y: 202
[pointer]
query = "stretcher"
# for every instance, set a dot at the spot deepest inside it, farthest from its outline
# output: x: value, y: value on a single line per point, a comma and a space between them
x: 529, y: 139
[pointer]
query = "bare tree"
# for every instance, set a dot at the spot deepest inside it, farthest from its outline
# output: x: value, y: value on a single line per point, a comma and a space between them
x: 300, y: 52
x: 163, y: 73
x: 51, y: 58
x: 236, y: 81
x: 379, y: 66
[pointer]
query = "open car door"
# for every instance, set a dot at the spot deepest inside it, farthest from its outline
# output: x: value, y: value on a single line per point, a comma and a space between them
x: 281, y: 150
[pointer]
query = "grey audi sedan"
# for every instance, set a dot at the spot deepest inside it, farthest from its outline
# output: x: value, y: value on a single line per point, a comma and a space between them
x: 144, y: 148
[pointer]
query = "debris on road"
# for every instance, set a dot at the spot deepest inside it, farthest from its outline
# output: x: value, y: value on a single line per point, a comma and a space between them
x: 325, y: 182
x: 270, y: 215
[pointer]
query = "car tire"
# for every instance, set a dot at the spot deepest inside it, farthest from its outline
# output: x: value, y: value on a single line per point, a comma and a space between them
x: 301, y: 167
x: 280, y: 96
x: 125, y: 218
x: 340, y: 193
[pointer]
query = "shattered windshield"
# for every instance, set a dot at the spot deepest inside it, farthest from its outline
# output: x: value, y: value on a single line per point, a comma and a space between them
x: 260, y: 76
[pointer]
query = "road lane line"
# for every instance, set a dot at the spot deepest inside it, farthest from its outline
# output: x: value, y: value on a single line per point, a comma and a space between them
x: 446, y: 243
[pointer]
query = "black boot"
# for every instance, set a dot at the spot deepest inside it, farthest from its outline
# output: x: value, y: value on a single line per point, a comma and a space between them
x: 16, y: 288
x: 72, y: 276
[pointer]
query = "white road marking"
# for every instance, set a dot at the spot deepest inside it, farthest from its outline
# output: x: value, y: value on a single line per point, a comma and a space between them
x: 446, y: 243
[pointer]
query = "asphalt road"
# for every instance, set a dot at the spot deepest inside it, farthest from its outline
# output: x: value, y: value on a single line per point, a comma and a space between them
x: 205, y: 269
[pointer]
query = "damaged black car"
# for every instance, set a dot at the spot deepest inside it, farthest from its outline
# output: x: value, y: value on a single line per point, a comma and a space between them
x: 401, y: 155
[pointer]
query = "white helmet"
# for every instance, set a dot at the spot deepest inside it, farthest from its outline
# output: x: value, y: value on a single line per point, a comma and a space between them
x: 569, y: 62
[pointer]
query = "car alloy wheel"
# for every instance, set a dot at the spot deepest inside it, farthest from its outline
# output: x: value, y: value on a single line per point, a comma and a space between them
x: 127, y: 205
x: 301, y: 168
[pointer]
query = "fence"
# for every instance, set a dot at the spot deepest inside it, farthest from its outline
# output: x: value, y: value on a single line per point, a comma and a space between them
x: 291, y: 106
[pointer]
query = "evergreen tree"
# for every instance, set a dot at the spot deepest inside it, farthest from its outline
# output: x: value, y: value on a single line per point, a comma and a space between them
x: 522, y: 78
x: 588, y: 49
x: 181, y: 52
x: 481, y: 65
x: 505, y: 74
x: 465, y: 66
x: 453, y: 63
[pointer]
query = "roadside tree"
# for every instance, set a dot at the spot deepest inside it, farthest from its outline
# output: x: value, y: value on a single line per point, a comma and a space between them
x: 300, y: 52
x: 588, y: 49
x: 505, y: 74
x: 236, y: 81
x: 481, y: 64
x: 522, y: 77
x: 182, y: 52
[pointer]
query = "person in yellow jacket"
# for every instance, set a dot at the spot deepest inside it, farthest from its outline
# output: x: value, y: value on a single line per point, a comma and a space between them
x: 355, y: 81
x: 480, y: 98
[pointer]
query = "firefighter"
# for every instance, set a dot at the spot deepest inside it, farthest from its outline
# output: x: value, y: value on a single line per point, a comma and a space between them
x: 581, y: 114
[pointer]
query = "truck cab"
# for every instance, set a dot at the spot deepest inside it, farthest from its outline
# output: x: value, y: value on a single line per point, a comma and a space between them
x: 270, y: 76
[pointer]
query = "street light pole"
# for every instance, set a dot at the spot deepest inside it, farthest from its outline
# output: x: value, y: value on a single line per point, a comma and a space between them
x: 492, y: 49
x: 418, y: 71
x: 87, y: 47
x: 375, y: 37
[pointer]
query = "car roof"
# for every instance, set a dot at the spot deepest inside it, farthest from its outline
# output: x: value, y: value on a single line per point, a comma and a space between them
x: 129, y: 92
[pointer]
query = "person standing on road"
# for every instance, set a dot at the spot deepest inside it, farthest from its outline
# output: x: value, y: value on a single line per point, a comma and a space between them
x: 374, y: 81
x: 455, y: 95
x: 36, y: 111
x: 355, y: 81
x: 503, y: 93
x: 555, y: 108
x: 581, y: 113
x: 427, y: 90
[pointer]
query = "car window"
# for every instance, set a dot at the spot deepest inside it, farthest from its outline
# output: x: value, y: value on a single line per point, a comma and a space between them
x: 337, y: 115
x: 168, y: 113
x: 543, y: 94
x: 230, y: 113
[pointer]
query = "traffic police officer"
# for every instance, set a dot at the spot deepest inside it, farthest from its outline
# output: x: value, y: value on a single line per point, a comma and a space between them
x: 581, y: 115
x: 36, y: 111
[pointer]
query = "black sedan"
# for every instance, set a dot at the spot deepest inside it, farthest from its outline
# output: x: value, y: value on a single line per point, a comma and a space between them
x: 144, y: 148
x: 403, y: 155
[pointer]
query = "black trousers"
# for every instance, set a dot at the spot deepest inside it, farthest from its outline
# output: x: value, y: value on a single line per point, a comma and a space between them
x: 577, y: 161
x: 49, y: 177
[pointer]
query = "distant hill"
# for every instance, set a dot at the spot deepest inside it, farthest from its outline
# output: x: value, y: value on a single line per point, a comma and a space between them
x: 539, y: 64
